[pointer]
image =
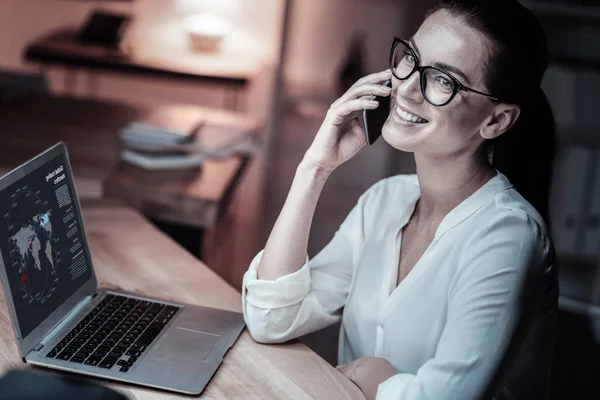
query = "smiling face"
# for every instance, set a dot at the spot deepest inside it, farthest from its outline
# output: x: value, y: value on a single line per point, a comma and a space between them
x: 454, y: 129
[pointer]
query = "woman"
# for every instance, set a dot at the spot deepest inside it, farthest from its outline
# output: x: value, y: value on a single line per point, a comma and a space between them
x: 437, y: 278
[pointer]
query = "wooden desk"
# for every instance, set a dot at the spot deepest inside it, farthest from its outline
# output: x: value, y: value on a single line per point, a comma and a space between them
x: 231, y: 70
x: 129, y: 254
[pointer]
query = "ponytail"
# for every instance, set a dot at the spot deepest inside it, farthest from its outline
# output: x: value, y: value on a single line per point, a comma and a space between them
x: 513, y: 73
x: 525, y: 153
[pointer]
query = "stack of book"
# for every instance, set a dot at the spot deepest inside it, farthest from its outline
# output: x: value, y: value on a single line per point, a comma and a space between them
x: 167, y: 141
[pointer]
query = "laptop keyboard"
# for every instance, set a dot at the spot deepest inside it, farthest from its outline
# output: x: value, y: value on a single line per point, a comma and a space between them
x: 117, y: 331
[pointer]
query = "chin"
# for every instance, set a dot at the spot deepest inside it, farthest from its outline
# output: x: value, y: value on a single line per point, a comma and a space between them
x: 401, y: 138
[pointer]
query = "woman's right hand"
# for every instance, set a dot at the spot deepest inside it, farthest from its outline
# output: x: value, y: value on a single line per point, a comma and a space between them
x: 341, y: 135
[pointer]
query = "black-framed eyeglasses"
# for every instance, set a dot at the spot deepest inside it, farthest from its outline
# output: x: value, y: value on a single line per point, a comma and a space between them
x: 438, y: 86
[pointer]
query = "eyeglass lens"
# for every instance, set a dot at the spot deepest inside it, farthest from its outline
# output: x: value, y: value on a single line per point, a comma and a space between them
x: 437, y: 86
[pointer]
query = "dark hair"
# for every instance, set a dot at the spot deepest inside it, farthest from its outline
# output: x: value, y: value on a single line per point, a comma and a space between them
x: 513, y: 73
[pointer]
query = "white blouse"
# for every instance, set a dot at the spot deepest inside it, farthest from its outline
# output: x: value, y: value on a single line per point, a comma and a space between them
x: 446, y: 324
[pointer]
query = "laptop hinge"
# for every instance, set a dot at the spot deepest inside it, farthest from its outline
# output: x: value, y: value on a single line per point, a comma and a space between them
x: 58, y: 329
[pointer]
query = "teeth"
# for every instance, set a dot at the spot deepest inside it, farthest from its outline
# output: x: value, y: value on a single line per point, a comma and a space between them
x: 408, y: 116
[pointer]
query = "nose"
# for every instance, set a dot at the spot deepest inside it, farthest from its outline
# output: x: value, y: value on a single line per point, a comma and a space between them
x: 410, y: 88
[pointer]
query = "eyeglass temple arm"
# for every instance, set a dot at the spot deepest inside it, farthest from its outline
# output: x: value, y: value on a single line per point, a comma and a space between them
x: 467, y: 89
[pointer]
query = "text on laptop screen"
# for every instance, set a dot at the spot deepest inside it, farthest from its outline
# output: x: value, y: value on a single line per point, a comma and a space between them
x: 41, y: 241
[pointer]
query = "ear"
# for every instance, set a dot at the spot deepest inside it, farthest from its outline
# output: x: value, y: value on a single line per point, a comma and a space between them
x: 502, y: 119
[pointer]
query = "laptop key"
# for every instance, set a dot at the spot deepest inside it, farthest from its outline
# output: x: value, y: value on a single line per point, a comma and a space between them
x: 115, y: 353
x: 172, y: 309
x: 94, y: 340
x: 52, y: 353
x: 77, y: 359
x: 124, y: 369
x: 138, y: 347
x: 121, y: 347
x: 108, y: 362
x: 109, y: 341
x: 127, y: 340
x: 150, y: 333
x: 104, y: 331
x: 65, y: 355
x: 163, y: 317
x: 133, y: 353
x: 93, y: 360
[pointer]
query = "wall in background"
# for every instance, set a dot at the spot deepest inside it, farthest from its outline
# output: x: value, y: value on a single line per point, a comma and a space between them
x: 258, y: 23
x: 321, y: 32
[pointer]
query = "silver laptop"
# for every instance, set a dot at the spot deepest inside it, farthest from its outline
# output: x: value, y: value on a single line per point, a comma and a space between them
x: 62, y: 320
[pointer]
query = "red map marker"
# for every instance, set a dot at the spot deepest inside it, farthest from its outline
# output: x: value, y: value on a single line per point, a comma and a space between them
x: 23, y: 278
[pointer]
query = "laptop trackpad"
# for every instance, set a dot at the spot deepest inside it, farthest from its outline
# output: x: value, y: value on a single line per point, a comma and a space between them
x: 187, y: 343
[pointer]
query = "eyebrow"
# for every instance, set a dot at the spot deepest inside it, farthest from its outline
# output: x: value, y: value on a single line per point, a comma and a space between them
x: 442, y: 65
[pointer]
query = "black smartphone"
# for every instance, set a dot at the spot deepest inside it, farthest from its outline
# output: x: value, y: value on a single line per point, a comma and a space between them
x: 373, y: 120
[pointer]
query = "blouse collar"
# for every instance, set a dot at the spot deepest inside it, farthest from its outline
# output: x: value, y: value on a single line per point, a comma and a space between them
x: 466, y: 208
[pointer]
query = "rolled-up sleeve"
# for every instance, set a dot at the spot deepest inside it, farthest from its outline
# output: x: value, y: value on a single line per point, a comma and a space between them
x: 312, y: 297
x: 483, y: 307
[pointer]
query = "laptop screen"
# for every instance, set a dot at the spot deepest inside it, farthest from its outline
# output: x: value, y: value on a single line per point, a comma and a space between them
x: 41, y: 241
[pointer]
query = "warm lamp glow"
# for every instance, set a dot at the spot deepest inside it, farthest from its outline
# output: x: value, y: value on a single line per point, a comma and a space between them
x: 207, y: 24
x: 206, y: 31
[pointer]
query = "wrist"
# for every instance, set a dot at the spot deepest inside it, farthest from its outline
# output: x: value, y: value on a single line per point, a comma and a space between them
x: 314, y: 170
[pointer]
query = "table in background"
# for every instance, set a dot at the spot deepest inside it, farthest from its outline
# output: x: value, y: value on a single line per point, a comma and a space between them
x: 130, y: 254
x: 90, y: 128
x: 183, y: 204
x: 62, y: 48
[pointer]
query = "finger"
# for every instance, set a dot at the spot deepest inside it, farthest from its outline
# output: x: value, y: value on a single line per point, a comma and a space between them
x: 370, y: 89
x: 343, y: 369
x: 376, y: 77
x: 339, y: 113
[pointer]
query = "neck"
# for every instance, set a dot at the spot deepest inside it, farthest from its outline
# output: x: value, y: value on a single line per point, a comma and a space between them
x: 445, y: 184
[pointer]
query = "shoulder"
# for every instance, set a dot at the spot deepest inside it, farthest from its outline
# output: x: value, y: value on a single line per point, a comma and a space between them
x: 508, y: 230
x: 509, y: 213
